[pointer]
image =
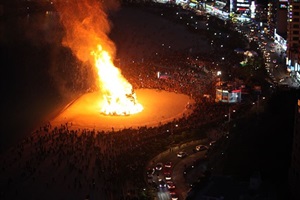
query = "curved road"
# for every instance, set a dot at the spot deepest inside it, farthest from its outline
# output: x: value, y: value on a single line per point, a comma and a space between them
x: 178, y: 167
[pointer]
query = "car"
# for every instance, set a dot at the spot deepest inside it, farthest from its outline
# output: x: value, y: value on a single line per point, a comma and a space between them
x: 159, y: 166
x: 181, y: 154
x: 201, y: 147
x: 172, y: 192
x: 171, y: 185
x: 212, y: 143
x: 167, y: 171
x: 168, y: 165
x: 174, y: 197
x: 168, y: 177
x: 162, y: 184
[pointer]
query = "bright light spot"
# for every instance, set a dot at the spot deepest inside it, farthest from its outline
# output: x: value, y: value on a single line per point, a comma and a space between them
x: 118, y: 95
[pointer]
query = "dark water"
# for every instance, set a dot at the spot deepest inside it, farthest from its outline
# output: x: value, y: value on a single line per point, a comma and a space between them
x: 38, y: 75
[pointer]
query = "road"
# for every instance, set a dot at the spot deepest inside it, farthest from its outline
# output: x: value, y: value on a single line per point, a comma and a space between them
x: 179, y: 166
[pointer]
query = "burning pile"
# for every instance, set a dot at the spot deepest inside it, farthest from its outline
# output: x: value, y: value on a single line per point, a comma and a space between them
x: 86, y: 26
x: 119, y: 97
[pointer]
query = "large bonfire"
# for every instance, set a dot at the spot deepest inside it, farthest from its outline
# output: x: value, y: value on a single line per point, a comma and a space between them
x: 86, y: 26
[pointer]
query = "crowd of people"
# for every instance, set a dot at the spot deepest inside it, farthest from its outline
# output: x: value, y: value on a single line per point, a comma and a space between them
x: 107, y: 164
x: 66, y: 163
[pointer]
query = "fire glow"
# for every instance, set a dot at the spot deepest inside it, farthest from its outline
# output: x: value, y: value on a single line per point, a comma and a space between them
x: 86, y: 26
x: 118, y: 95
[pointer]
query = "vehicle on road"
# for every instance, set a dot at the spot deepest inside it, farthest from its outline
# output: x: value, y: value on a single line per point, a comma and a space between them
x: 171, y: 185
x: 159, y: 166
x: 162, y: 184
x: 168, y: 165
x: 201, y: 148
x: 181, y: 154
x: 168, y: 177
x: 174, y: 197
x: 212, y: 143
x: 167, y: 171
x: 172, y: 192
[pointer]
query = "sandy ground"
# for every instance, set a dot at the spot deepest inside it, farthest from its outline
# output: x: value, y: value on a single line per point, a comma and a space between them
x: 159, y: 107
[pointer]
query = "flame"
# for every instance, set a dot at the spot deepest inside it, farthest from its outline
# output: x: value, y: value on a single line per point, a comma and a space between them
x: 119, y: 97
x: 86, y: 26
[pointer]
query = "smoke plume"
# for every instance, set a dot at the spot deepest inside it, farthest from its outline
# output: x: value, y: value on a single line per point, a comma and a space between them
x: 86, y: 25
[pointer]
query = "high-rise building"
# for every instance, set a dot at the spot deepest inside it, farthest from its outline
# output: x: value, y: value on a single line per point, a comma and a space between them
x: 281, y: 21
x: 293, y: 38
x: 294, y: 172
x: 271, y: 16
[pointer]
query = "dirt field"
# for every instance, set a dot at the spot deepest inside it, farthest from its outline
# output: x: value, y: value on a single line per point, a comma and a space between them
x: 159, y: 107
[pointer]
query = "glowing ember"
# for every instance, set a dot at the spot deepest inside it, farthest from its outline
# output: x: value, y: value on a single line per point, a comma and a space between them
x: 86, y: 26
x: 118, y: 95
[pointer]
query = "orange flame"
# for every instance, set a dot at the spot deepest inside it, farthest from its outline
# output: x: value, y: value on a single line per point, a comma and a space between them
x: 86, y: 26
x: 119, y: 97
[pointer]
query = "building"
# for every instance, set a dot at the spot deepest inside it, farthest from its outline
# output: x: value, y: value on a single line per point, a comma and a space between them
x: 293, y: 38
x: 294, y: 171
x: 271, y: 16
x: 280, y: 32
x: 228, y: 95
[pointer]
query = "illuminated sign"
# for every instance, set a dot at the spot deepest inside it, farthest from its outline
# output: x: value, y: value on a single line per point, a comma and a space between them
x: 242, y: 5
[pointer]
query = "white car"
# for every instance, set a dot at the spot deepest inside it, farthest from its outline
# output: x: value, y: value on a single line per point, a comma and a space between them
x: 181, y: 154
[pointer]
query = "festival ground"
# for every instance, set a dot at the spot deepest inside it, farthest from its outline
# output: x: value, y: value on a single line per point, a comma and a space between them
x: 159, y: 107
